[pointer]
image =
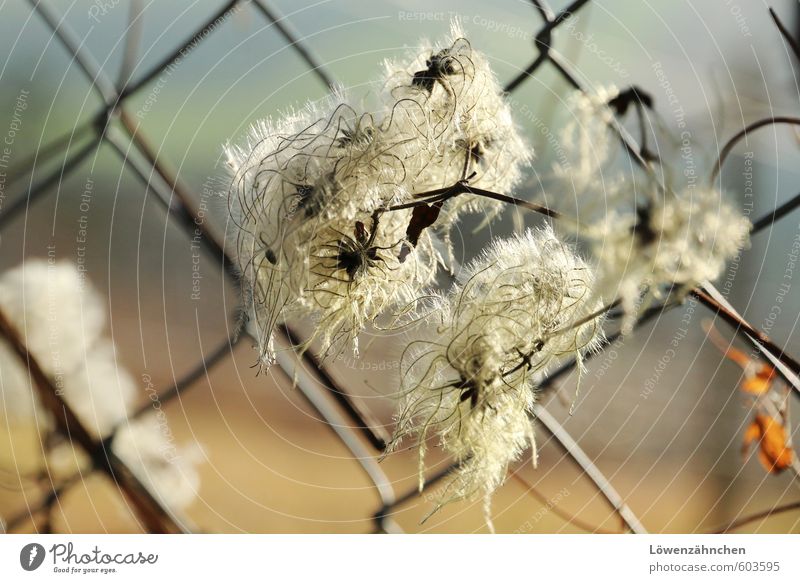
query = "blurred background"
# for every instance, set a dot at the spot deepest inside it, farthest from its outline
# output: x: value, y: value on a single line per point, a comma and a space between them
x: 665, y: 428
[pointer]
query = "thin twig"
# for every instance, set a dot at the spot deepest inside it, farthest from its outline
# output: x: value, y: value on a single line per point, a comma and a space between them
x: 731, y: 144
x: 785, y: 33
x: 775, y: 215
x: 463, y: 187
x: 744, y: 521
x: 566, y: 516
x: 758, y: 339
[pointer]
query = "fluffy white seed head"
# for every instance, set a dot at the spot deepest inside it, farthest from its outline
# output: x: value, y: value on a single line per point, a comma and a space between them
x: 61, y: 318
x: 584, y: 173
x: 683, y: 239
x: 460, y: 99
x: 169, y: 471
x: 305, y: 189
x: 307, y: 238
x: 514, y: 312
x: 54, y: 312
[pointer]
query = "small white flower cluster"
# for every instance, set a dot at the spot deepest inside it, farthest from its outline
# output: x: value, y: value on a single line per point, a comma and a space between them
x: 524, y: 304
x: 61, y: 320
x: 310, y: 225
x: 646, y: 238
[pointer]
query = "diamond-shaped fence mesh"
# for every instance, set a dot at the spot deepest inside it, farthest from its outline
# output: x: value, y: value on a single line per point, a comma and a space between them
x: 115, y: 125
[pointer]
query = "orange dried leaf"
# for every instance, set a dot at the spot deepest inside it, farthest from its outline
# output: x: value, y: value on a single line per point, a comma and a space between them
x: 758, y: 375
x: 737, y: 356
x: 773, y: 452
x: 751, y: 434
x: 761, y: 382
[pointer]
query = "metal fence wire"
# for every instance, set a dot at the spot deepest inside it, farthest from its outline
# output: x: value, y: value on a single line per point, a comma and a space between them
x: 114, y: 125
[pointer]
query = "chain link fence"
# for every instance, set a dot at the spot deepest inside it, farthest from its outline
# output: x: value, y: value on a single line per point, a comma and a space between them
x: 116, y: 125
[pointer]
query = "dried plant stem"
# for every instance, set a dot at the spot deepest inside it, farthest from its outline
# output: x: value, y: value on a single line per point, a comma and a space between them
x: 463, y: 187
x: 785, y: 33
x: 555, y: 509
x: 744, y: 521
x: 731, y: 144
x: 758, y: 339
x: 775, y: 215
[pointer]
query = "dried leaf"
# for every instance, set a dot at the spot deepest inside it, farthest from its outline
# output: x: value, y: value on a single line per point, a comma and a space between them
x: 761, y: 382
x: 759, y: 375
x: 774, y: 454
x: 422, y: 217
x: 738, y: 356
